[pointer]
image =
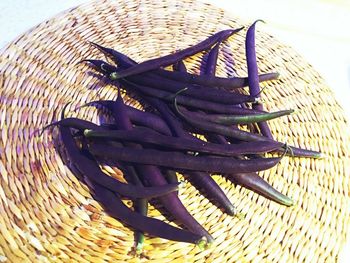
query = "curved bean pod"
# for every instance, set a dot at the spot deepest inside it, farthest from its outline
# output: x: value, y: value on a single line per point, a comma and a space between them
x: 147, y: 136
x: 229, y: 119
x: 184, y: 77
x: 138, y: 117
x: 176, y: 160
x: 254, y: 182
x: 117, y: 209
x: 170, y: 59
x: 253, y: 77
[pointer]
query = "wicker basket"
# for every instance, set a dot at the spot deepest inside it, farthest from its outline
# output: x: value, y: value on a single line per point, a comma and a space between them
x: 47, y: 215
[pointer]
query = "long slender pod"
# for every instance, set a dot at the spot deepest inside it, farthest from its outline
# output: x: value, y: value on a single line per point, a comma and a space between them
x: 140, y: 204
x: 254, y: 182
x: 177, y: 160
x: 185, y: 77
x: 170, y: 59
x: 229, y: 119
x: 137, y: 117
x: 148, y: 137
x: 253, y: 77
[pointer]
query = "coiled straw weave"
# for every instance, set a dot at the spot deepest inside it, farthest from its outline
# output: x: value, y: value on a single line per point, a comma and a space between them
x: 47, y: 215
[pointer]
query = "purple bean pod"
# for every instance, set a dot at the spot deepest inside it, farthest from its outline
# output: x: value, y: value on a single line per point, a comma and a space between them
x: 170, y: 59
x: 253, y: 76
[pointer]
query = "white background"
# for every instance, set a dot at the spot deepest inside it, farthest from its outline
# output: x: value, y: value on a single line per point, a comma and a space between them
x: 317, y: 29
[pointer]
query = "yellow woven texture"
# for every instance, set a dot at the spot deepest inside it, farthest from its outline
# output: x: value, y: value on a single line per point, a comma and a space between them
x: 47, y: 215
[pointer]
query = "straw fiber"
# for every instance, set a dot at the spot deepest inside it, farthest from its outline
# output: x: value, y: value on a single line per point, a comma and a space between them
x: 48, y: 215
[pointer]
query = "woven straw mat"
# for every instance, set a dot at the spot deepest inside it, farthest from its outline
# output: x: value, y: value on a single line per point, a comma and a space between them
x: 48, y: 215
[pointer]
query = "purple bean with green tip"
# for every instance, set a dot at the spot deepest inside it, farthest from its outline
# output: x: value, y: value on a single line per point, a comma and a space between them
x: 229, y: 119
x: 254, y: 182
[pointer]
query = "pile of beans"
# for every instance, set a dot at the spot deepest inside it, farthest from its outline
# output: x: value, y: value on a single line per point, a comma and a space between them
x: 196, y: 125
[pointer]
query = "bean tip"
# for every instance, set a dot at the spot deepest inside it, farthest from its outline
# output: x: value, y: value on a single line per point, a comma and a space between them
x: 238, y: 29
x: 87, y: 132
x: 93, y: 44
x: 272, y: 76
x: 40, y: 131
x: 276, y: 75
x: 252, y: 26
x: 91, y: 103
x: 320, y: 155
x: 259, y: 20
x: 288, y: 201
x: 139, y: 248
x: 231, y: 210
x: 204, y: 244
x: 81, y: 61
x: 296, y: 111
x: 113, y: 76
x: 91, y: 61
x: 292, y: 111
x: 285, y: 112
x: 99, y: 47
